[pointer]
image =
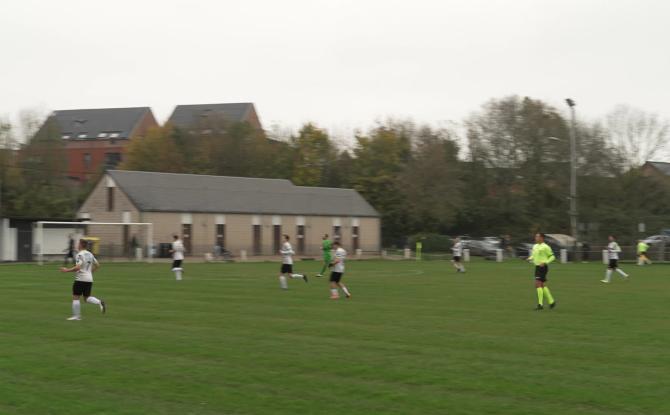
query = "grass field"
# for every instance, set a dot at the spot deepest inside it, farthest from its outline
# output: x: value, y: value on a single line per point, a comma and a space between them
x: 416, y: 338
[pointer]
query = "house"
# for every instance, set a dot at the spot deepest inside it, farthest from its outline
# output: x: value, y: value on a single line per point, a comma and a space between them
x: 204, y: 115
x: 237, y: 213
x: 656, y: 169
x: 97, y: 138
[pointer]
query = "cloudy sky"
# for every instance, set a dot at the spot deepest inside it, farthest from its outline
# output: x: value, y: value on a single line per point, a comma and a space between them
x: 340, y: 63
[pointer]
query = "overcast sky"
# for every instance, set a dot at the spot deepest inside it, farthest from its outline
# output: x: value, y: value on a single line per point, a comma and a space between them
x: 340, y: 63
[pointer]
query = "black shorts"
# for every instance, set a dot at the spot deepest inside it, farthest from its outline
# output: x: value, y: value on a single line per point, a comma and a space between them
x: 457, y: 258
x: 176, y: 263
x: 335, y: 276
x: 541, y: 273
x: 82, y: 288
x: 614, y: 264
x: 286, y: 268
x: 644, y: 254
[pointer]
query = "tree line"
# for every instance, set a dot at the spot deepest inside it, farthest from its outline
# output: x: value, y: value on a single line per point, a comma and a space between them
x: 502, y: 170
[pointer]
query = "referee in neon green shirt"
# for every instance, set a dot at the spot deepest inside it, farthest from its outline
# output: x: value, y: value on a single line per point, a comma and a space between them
x: 326, y: 246
x: 542, y: 256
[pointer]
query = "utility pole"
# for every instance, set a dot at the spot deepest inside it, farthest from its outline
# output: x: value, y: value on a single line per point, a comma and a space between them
x: 573, y: 169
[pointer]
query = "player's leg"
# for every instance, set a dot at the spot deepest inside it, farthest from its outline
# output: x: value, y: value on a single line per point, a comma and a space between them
x: 646, y: 259
x: 621, y: 272
x: 344, y: 289
x: 93, y: 300
x: 608, y: 273
x: 77, y: 292
x: 326, y: 261
x: 540, y: 293
x: 177, y: 269
x: 459, y: 264
x: 334, y: 281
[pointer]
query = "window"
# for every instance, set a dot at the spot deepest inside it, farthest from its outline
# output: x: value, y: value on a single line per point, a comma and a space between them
x: 276, y: 238
x: 300, y: 236
x: 87, y: 161
x: 221, y: 235
x: 102, y: 135
x: 186, y: 236
x: 337, y: 232
x: 110, y: 199
x: 112, y: 159
x: 82, y: 135
x: 256, y: 229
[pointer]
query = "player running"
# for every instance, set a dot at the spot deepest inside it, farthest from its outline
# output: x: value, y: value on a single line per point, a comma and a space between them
x: 642, y: 258
x: 457, y: 250
x: 542, y: 256
x: 613, y: 250
x: 326, y: 246
x: 338, y: 272
x: 177, y: 252
x: 85, y: 265
x: 287, y: 264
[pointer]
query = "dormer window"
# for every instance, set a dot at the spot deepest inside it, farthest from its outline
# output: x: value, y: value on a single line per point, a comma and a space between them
x: 82, y: 135
x: 114, y: 135
x: 102, y: 135
x: 66, y: 136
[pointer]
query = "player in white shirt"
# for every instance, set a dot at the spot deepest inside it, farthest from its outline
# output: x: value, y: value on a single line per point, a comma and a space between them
x: 287, y: 253
x: 85, y: 265
x: 338, y: 272
x: 613, y: 250
x: 177, y: 252
x: 457, y: 250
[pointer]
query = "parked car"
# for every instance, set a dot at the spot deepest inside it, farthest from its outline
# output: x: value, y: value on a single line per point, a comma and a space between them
x: 485, y: 246
x: 657, y: 239
x: 556, y: 242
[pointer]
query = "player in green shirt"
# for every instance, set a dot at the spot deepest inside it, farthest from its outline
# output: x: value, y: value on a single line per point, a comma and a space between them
x: 642, y: 258
x: 542, y: 256
x: 326, y: 246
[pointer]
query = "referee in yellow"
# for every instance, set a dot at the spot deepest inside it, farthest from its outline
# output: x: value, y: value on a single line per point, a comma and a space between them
x: 542, y: 256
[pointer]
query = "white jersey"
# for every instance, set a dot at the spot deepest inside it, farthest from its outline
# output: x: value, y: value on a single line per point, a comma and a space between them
x: 287, y: 254
x: 613, y: 250
x: 85, y: 260
x: 457, y: 249
x: 340, y: 255
x: 178, y: 250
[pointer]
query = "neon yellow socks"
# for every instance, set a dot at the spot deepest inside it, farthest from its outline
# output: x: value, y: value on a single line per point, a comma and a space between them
x: 548, y: 295
x: 539, y: 295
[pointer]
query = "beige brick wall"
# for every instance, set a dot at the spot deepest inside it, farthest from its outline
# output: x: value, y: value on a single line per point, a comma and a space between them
x: 96, y: 207
x: 239, y: 233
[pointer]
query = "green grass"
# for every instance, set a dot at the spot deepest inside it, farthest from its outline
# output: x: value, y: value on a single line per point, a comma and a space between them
x: 416, y: 338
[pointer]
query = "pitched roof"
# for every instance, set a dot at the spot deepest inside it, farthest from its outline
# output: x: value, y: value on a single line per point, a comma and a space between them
x: 661, y: 166
x: 94, y: 122
x: 193, y: 193
x: 187, y: 115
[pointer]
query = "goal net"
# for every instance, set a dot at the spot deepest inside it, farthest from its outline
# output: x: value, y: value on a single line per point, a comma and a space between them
x: 107, y: 240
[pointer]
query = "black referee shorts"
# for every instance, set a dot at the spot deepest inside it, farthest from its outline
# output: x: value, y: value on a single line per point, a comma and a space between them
x: 614, y: 264
x: 541, y: 273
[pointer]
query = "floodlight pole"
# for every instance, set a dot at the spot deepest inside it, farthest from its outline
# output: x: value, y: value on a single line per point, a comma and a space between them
x: 573, y: 169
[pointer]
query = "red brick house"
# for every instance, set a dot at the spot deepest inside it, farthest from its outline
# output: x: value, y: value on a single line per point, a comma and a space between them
x: 95, y: 139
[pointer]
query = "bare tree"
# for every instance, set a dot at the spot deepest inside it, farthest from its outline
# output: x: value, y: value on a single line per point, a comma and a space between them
x: 637, y: 136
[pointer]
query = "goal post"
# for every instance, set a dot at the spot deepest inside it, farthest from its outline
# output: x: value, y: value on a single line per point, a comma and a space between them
x: 39, y: 234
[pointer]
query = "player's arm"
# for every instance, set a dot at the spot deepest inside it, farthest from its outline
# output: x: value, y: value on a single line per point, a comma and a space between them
x: 550, y: 256
x: 96, y: 265
x: 75, y: 268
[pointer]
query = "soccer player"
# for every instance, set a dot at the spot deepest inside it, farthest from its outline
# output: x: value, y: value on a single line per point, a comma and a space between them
x: 177, y: 252
x: 457, y: 250
x: 84, y: 267
x: 642, y: 258
x: 326, y: 246
x: 613, y: 250
x: 542, y: 255
x: 287, y: 264
x: 338, y: 271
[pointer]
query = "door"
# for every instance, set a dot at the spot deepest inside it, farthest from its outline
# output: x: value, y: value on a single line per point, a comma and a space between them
x: 220, y: 236
x: 276, y: 238
x: 24, y: 242
x: 300, y: 236
x: 257, y: 239
x: 186, y: 237
x: 355, y: 237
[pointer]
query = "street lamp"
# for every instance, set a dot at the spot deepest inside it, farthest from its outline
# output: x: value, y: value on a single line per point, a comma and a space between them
x: 573, y: 169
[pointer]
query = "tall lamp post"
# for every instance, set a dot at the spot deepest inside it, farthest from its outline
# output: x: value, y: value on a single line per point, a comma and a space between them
x: 573, y: 169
